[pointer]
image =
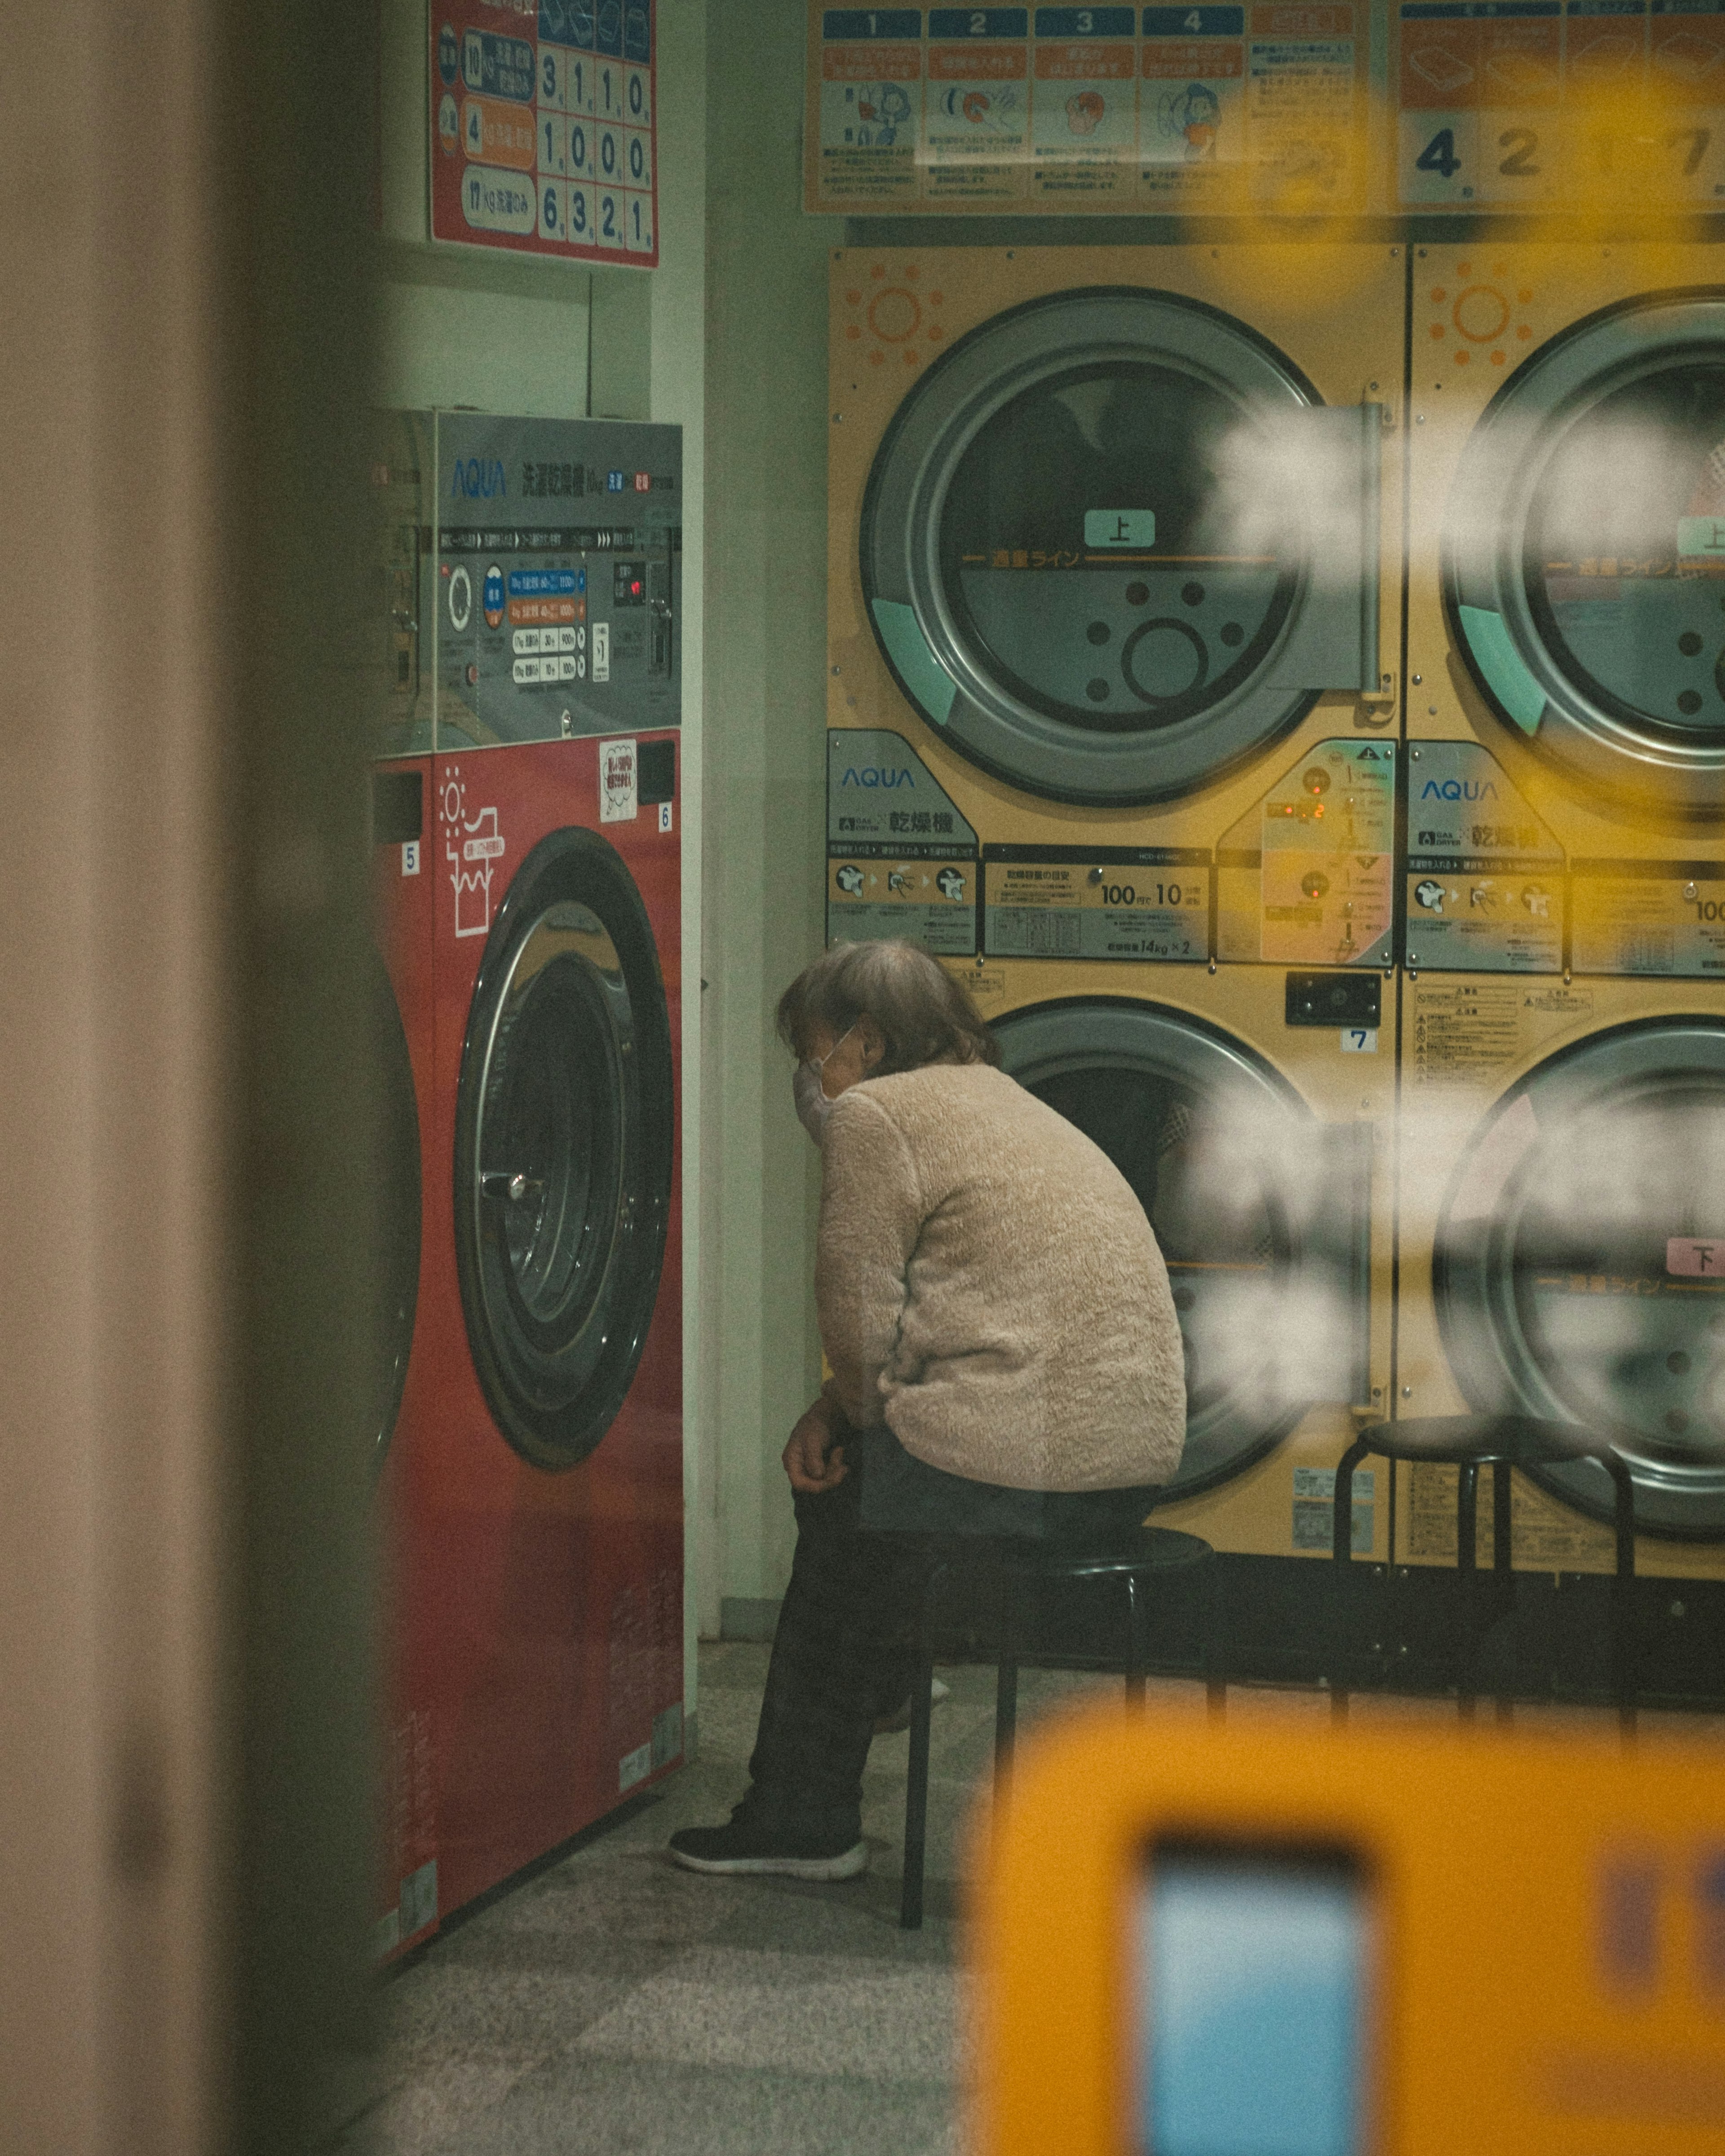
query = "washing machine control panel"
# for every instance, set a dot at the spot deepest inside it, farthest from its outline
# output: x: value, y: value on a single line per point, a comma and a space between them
x: 546, y: 557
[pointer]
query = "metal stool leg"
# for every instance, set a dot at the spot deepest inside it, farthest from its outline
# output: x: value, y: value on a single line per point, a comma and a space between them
x: 1625, y: 1687
x: 1138, y: 1647
x: 1342, y: 1564
x: 1503, y: 1577
x: 909, y: 1906
x: 1212, y: 1660
x: 1467, y: 1527
x: 1006, y: 1691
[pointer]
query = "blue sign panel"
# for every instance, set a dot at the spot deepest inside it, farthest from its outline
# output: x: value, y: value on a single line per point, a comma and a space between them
x: 498, y: 67
x: 538, y: 583
x: 1084, y: 22
x: 1194, y: 21
x: 857, y: 25
x: 607, y: 28
x: 978, y: 21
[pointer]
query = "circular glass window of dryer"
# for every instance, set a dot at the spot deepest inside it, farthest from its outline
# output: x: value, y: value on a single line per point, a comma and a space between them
x: 1204, y: 1158
x: 1626, y: 554
x: 563, y: 1151
x: 551, y: 1137
x: 1109, y: 552
x: 1618, y: 1261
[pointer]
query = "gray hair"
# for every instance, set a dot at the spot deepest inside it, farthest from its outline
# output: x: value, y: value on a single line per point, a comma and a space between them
x: 924, y: 1014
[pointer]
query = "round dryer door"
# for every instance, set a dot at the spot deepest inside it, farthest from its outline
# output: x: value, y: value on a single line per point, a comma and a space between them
x: 1087, y: 543
x: 1228, y: 1164
x: 564, y: 1133
x: 1580, y: 1265
x: 1585, y: 552
x: 399, y: 1210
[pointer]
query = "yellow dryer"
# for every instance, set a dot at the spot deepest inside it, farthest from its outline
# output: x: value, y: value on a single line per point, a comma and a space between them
x: 1562, y: 1149
x: 1114, y: 608
x: 1115, y: 548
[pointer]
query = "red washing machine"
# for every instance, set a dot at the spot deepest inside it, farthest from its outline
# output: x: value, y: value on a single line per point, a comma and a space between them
x: 527, y: 894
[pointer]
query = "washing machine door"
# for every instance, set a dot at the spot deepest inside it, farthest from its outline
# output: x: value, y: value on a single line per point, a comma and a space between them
x: 1580, y: 1265
x: 564, y: 1138
x: 1113, y: 543
x: 399, y: 1209
x: 1259, y: 1210
x: 1584, y: 553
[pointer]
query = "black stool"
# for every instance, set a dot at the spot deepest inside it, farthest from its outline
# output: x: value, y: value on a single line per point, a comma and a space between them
x: 1011, y: 1570
x: 1500, y: 1442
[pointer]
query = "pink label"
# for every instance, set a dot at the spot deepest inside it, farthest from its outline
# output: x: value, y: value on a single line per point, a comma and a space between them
x: 1694, y: 1256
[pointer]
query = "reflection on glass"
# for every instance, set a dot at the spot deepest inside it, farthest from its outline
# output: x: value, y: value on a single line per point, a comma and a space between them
x: 1618, y: 1251
x: 1210, y: 1200
x: 1109, y: 556
x: 1626, y: 562
x: 1252, y: 1975
x: 550, y: 1137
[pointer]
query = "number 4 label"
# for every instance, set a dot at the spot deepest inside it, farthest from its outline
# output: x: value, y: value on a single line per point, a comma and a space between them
x: 1359, y: 1040
x: 1438, y: 153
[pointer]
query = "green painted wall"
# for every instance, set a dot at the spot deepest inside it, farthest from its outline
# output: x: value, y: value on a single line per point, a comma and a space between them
x: 766, y: 384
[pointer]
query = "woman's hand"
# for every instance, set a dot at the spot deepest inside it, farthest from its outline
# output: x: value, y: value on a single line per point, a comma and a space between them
x: 814, y: 1459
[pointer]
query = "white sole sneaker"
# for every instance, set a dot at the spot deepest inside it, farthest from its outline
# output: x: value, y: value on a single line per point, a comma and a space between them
x: 846, y: 1866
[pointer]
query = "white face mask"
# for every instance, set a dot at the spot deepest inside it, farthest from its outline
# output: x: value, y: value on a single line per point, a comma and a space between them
x: 808, y: 1088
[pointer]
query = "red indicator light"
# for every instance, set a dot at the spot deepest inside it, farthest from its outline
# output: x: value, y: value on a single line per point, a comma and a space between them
x: 636, y: 588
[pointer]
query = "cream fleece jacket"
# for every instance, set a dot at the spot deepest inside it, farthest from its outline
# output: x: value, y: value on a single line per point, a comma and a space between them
x: 988, y: 1286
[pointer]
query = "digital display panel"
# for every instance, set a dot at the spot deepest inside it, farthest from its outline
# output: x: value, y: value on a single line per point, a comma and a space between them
x: 1252, y: 1971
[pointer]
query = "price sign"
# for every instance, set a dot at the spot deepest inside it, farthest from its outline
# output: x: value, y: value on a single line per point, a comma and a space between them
x: 543, y: 127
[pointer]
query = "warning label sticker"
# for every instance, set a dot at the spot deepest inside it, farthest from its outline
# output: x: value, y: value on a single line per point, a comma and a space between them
x: 1543, y: 1534
x: 1464, y: 1032
x: 1315, y: 1509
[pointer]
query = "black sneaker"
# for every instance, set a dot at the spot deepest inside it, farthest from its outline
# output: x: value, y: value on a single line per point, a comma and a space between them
x: 749, y: 1849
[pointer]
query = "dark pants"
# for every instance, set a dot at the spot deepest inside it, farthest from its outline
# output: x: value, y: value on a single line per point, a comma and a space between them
x: 844, y: 1654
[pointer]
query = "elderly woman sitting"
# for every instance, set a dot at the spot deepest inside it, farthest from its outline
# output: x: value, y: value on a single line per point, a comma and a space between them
x: 1005, y: 1359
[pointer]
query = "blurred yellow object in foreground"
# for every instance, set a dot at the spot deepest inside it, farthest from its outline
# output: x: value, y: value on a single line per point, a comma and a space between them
x: 1216, y: 1942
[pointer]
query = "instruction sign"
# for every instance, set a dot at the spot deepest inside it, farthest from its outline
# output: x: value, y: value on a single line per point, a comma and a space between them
x: 902, y: 860
x: 1057, y: 110
x: 543, y: 127
x: 1506, y: 105
x: 1307, y: 877
x: 1148, y: 904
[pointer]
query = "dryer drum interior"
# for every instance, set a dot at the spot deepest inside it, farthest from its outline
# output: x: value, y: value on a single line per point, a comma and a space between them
x: 563, y: 1149
x: 1113, y: 543
x: 1584, y: 565
x: 399, y: 1209
x: 1260, y: 1212
x: 1581, y: 1264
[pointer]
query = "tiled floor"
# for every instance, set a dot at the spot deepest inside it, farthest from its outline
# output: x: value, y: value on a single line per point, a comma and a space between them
x: 616, y: 2004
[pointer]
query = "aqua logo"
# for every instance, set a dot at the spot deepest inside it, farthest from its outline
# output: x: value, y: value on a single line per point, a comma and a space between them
x: 1457, y: 789
x: 477, y: 479
x: 870, y: 777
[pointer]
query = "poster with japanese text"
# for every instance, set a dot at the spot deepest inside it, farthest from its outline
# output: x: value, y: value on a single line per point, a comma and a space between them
x: 1546, y: 104
x: 542, y: 129
x: 1249, y: 109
